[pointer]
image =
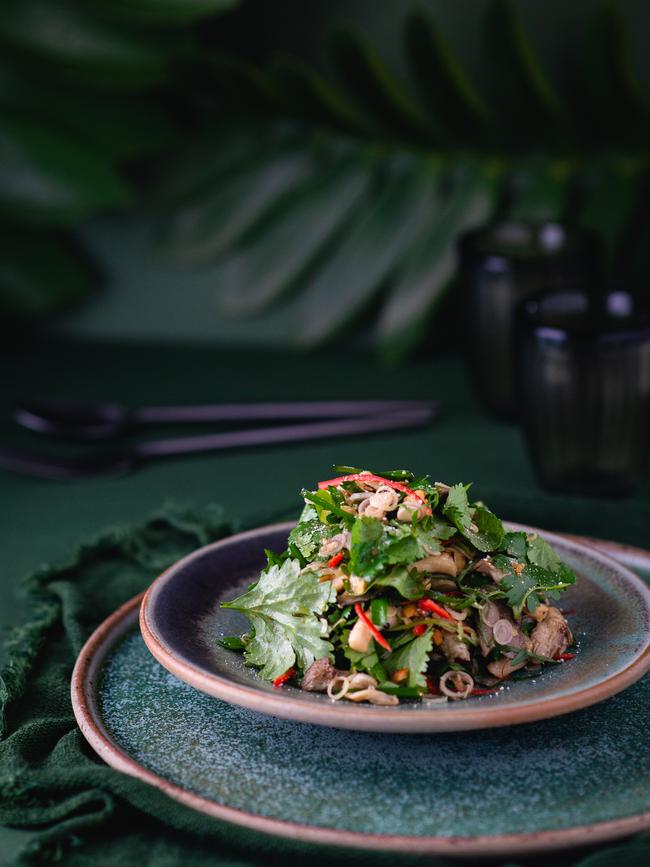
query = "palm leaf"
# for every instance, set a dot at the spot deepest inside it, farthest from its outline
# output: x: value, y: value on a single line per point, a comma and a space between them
x: 164, y: 12
x: 428, y: 271
x: 372, y: 248
x: 538, y: 190
x: 460, y: 112
x: 46, y: 177
x: 618, y: 104
x: 40, y: 272
x: 529, y: 107
x: 212, y: 223
x: 81, y: 49
x: 309, y: 95
x: 274, y: 260
x: 377, y: 90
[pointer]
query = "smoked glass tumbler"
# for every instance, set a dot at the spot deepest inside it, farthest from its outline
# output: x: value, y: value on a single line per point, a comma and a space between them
x: 583, y: 366
x: 501, y: 264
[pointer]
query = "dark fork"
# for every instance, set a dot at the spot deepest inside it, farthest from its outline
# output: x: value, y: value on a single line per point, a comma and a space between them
x: 124, y: 460
x: 95, y: 421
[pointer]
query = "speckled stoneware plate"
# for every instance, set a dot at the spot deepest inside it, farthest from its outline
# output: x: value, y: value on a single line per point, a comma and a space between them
x: 573, y: 780
x: 181, y: 620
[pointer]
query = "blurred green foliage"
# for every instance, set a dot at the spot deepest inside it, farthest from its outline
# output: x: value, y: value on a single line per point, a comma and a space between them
x: 345, y: 193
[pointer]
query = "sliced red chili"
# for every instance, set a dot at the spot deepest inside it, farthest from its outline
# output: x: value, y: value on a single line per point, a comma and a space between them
x: 432, y: 607
x: 565, y: 657
x: 283, y: 678
x: 433, y: 689
x: 419, y: 629
x: 483, y: 691
x: 371, y: 477
x: 376, y: 634
x: 334, y: 561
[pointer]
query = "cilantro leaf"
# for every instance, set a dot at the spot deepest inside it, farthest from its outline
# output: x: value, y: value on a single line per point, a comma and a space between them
x: 480, y: 526
x: 367, y: 555
x: 540, y: 553
x: 407, y: 582
x: 308, y: 536
x: 489, y: 535
x: 283, y: 609
x: 515, y: 544
x: 456, y: 507
x: 414, y: 656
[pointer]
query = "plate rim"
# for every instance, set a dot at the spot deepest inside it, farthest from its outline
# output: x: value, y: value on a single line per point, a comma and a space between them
x: 382, y: 719
x: 83, y: 689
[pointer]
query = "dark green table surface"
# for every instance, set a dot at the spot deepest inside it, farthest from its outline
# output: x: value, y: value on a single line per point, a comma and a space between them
x: 41, y: 521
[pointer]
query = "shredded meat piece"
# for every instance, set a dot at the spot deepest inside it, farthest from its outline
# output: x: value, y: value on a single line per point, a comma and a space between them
x: 318, y: 675
x: 453, y: 648
x: 552, y: 635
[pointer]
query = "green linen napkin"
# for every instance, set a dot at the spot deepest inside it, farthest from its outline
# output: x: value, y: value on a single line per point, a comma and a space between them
x: 70, y: 805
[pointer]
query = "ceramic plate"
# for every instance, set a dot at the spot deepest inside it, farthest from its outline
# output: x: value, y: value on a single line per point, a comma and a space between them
x: 181, y: 620
x: 492, y: 793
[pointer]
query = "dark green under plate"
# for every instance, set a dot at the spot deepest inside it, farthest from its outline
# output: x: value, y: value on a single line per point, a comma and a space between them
x: 581, y: 769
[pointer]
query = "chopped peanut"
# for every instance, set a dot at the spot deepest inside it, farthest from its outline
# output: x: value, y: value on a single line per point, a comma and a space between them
x: 410, y: 610
x: 437, y: 637
x: 399, y: 675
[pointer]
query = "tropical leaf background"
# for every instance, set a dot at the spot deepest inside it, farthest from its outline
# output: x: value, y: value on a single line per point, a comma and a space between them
x: 333, y: 189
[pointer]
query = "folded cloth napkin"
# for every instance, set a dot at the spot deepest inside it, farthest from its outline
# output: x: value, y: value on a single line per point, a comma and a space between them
x: 70, y: 805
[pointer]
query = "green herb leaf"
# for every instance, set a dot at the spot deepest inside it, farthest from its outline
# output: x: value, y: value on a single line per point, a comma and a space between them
x: 408, y: 583
x: 482, y: 528
x: 283, y: 609
x: 366, y: 556
x: 515, y: 545
x: 540, y: 553
x: 308, y: 536
x: 414, y: 656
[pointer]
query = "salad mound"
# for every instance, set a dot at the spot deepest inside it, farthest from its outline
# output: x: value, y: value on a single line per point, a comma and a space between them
x: 396, y: 587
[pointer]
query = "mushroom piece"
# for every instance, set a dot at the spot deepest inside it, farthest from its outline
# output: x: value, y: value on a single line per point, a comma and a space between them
x: 360, y: 637
x: 552, y: 635
x: 318, y: 675
x: 409, y: 507
x: 486, y: 567
x: 503, y: 667
x: 443, y: 563
x: 372, y: 695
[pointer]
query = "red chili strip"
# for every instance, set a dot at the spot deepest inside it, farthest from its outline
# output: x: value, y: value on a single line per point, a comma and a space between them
x: 483, y: 691
x: 433, y: 689
x: 565, y: 657
x: 371, y: 477
x: 376, y: 634
x: 283, y: 678
x: 334, y: 561
x: 432, y: 607
x: 418, y: 630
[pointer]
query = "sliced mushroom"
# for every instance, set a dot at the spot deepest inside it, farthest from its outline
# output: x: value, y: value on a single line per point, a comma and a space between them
x: 361, y: 680
x: 486, y: 567
x: 443, y: 563
x: 372, y: 695
x: 503, y: 667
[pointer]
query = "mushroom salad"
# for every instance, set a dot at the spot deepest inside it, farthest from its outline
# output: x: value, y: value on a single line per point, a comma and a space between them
x: 396, y: 587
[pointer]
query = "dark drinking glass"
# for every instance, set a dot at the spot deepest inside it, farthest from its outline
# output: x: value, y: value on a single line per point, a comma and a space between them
x: 583, y: 365
x: 500, y: 265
